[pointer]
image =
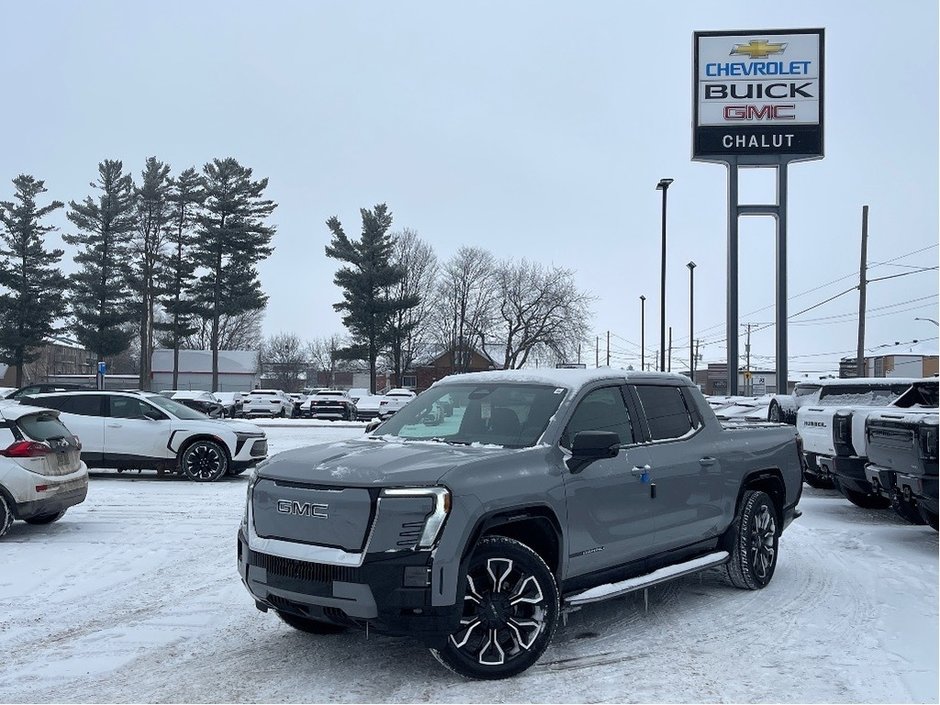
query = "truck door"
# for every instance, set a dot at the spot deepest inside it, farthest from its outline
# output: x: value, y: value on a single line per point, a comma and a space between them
x: 608, y: 503
x: 684, y: 467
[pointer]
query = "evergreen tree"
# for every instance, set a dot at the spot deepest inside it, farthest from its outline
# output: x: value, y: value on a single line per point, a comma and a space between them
x: 102, y: 304
x: 153, y: 213
x: 232, y: 240
x: 185, y: 198
x: 33, y: 300
x: 367, y: 283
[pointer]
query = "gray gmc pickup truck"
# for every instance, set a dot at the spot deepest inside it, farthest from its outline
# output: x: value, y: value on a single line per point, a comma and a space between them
x: 496, y: 501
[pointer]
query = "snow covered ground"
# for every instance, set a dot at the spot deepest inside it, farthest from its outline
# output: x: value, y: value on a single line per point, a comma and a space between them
x: 134, y: 597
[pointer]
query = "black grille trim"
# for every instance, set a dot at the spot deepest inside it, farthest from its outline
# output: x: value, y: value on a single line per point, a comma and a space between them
x: 303, y: 570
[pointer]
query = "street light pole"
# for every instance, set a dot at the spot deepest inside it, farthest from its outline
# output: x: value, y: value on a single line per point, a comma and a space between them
x: 642, y: 333
x: 691, y: 266
x: 663, y: 186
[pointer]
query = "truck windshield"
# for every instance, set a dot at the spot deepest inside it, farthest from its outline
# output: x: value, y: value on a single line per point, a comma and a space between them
x: 509, y: 415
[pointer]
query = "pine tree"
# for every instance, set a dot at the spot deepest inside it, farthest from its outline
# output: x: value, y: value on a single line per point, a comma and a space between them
x: 366, y: 284
x: 232, y: 240
x: 185, y: 198
x: 153, y: 213
x: 102, y: 299
x: 33, y: 300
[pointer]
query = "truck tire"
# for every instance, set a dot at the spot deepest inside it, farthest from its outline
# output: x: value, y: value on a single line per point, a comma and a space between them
x: 6, y: 515
x: 508, y: 615
x: 204, y: 461
x: 45, y: 518
x: 907, y: 509
x: 310, y: 626
x: 863, y: 500
x: 752, y: 541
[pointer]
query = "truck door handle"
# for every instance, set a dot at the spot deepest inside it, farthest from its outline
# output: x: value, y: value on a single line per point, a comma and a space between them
x: 114, y: 425
x: 705, y: 462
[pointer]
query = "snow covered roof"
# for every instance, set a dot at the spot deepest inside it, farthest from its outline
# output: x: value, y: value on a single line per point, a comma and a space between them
x: 864, y: 381
x: 64, y: 342
x: 570, y: 379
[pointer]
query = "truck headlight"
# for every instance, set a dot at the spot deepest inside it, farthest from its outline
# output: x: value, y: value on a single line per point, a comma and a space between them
x: 433, y: 524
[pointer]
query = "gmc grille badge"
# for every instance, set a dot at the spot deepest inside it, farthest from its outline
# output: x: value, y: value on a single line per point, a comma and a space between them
x: 303, y: 509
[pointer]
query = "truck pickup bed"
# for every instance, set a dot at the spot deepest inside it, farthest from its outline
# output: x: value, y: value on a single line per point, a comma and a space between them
x: 538, y: 491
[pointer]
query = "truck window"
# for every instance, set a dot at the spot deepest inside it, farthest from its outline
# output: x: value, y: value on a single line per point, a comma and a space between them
x: 666, y: 413
x: 601, y: 410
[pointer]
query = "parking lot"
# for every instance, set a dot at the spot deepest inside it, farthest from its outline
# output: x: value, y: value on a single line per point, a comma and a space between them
x: 134, y: 596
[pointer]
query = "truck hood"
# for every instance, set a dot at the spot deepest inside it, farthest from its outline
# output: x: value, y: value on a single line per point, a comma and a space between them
x: 364, y: 462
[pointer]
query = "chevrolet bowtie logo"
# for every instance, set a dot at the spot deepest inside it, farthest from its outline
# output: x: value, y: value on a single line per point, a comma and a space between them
x: 758, y: 48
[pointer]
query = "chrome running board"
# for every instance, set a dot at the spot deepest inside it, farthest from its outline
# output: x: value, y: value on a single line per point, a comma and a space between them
x: 609, y: 590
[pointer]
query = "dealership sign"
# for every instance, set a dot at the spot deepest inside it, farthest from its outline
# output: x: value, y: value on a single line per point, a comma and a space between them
x: 758, y: 96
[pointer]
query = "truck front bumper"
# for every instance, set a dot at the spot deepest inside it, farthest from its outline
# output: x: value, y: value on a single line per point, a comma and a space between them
x: 389, y: 591
x: 922, y: 487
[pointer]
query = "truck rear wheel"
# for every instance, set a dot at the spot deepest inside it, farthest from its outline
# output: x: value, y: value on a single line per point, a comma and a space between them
x: 509, y: 612
x: 929, y: 516
x: 753, y: 540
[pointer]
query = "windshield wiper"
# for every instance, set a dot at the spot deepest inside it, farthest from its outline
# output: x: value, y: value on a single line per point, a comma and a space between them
x: 449, y: 441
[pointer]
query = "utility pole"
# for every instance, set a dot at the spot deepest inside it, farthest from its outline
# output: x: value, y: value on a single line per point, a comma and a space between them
x: 747, y: 354
x: 579, y: 353
x: 597, y: 351
x: 669, y: 368
x: 642, y: 333
x: 608, y: 348
x: 656, y: 359
x: 862, y: 282
x: 697, y: 357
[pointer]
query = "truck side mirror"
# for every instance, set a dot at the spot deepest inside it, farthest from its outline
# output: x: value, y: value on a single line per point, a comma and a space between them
x: 588, y: 446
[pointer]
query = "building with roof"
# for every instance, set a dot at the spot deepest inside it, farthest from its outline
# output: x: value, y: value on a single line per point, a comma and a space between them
x: 913, y: 359
x: 238, y: 370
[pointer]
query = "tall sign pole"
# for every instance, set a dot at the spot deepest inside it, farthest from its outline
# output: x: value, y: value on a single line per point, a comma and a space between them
x: 758, y: 102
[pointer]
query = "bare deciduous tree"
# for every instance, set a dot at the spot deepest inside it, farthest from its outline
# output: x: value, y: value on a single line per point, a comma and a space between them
x: 284, y: 358
x: 464, y: 303
x: 409, y: 329
x: 539, y: 311
x: 238, y: 332
x: 324, y: 355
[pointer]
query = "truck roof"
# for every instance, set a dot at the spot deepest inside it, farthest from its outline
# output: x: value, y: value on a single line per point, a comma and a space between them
x: 567, y: 378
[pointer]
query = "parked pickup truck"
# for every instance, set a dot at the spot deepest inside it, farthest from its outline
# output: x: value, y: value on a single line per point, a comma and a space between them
x: 902, y: 454
x: 832, y: 429
x: 542, y: 491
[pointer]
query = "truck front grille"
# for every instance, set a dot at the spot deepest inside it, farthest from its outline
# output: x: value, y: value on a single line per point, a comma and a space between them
x: 303, y: 570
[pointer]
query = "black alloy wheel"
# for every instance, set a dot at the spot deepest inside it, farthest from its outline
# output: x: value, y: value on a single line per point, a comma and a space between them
x: 509, y: 612
x: 45, y: 518
x: 752, y: 542
x: 204, y: 461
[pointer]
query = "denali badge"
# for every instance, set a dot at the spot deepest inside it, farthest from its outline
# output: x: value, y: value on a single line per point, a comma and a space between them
x: 302, y: 509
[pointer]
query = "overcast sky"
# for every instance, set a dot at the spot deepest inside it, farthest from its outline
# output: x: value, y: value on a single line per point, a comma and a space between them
x: 530, y: 129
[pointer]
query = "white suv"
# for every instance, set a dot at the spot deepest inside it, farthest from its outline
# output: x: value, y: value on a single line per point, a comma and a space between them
x: 268, y: 402
x: 140, y: 430
x: 394, y: 400
x: 41, y: 471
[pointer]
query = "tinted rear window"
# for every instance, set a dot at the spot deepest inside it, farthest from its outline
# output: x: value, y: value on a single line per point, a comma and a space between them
x: 666, y: 413
x: 43, y: 426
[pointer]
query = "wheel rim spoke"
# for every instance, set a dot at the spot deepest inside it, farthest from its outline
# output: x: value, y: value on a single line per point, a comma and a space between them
x: 529, y: 591
x: 497, y: 657
x: 467, y: 627
x: 519, y: 627
x: 498, y: 575
x: 472, y: 593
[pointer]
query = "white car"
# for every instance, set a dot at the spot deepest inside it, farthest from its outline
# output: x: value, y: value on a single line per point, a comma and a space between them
x: 140, y: 430
x: 268, y: 402
x: 41, y: 470
x: 394, y: 400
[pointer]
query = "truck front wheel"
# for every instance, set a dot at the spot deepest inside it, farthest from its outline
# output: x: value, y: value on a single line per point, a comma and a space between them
x: 509, y: 612
x: 753, y: 540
